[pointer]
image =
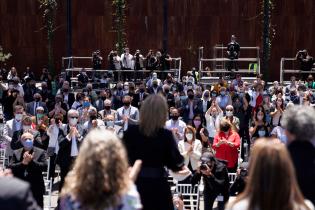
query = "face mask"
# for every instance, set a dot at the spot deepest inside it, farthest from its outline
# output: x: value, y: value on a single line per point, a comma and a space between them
x: 93, y: 117
x: 197, y: 123
x: 110, y: 123
x: 189, y: 87
x: 259, y: 117
x: 229, y: 113
x: 127, y: 103
x: 28, y: 144
x: 183, y: 97
x: 103, y: 98
x: 119, y: 88
x: 73, y: 121
x: 37, y: 99
x: 142, y: 90
x: 189, y: 136
x: 39, y: 116
x: 241, y: 95
x: 107, y: 107
x: 65, y: 90
x: 26, y: 127
x: 222, y: 93
x: 126, y: 88
x: 261, y: 133
x: 155, y: 85
x: 190, y: 96
x: 11, y: 87
x: 175, y: 117
x: 206, y: 95
x: 18, y: 117
x: 86, y: 104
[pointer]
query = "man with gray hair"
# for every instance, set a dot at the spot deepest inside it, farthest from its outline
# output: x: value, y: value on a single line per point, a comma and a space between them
x: 299, y: 124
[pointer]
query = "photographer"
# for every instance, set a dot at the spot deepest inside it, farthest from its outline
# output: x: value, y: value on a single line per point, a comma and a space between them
x: 306, y: 61
x: 114, y: 63
x: 233, y: 50
x: 138, y: 65
x: 238, y: 185
x: 216, y: 180
x: 97, y: 60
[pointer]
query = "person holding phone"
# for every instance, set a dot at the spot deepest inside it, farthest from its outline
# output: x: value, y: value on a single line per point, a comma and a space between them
x: 216, y: 180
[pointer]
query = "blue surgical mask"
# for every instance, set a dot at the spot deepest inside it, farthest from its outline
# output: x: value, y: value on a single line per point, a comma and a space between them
x: 86, y: 104
x: 183, y: 97
x: 28, y: 144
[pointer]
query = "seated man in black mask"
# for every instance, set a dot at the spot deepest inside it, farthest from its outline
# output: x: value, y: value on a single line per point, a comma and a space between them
x: 216, y: 180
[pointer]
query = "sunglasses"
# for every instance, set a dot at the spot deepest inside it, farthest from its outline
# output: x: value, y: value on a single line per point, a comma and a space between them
x: 74, y: 117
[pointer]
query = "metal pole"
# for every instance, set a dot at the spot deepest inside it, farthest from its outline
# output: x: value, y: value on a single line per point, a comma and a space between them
x: 69, y: 29
x: 165, y: 25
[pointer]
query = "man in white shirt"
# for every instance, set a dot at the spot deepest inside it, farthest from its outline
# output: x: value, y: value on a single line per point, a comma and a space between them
x: 127, y: 114
x: 176, y: 125
x: 126, y: 63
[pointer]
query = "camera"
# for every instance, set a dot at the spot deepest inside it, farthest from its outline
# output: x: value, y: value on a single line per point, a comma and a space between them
x: 243, y: 172
x: 204, y: 166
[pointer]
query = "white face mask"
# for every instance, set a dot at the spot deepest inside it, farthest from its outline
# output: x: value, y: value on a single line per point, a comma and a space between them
x: 229, y: 113
x: 189, y: 136
x: 18, y: 117
x: 26, y: 127
x: 73, y: 121
x: 110, y: 123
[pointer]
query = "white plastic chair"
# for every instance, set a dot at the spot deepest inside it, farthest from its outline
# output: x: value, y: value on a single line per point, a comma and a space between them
x: 232, y: 177
x: 190, y: 195
x: 3, y: 158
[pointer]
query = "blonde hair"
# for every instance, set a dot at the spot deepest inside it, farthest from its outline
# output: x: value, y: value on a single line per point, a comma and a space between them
x: 271, y: 182
x: 153, y: 114
x: 99, y: 177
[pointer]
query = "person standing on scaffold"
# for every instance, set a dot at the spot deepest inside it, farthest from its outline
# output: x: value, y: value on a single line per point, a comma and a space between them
x: 233, y: 50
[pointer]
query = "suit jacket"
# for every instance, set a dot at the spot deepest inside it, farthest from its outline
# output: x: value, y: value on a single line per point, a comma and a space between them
x: 30, y: 107
x: 71, y: 99
x: 132, y: 112
x: 136, y: 99
x: 303, y: 157
x: 197, y: 108
x: 9, y: 128
x: 16, y: 194
x: 32, y: 173
x: 158, y: 90
x: 64, y: 158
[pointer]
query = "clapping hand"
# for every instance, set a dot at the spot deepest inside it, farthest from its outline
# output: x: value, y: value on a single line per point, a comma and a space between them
x: 27, y: 158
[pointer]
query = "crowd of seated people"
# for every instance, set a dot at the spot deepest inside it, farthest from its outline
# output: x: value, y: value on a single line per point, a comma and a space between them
x: 224, y: 119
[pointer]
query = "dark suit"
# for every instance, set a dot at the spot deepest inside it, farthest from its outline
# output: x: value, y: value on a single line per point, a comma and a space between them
x: 32, y: 173
x: 197, y: 108
x: 30, y: 107
x: 16, y: 195
x: 71, y: 99
x: 158, y: 90
x: 136, y: 102
x: 64, y: 158
x: 303, y: 157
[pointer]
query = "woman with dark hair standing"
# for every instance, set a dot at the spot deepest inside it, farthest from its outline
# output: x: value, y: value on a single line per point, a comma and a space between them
x: 271, y: 183
x: 156, y: 147
x: 277, y: 112
x: 259, y: 128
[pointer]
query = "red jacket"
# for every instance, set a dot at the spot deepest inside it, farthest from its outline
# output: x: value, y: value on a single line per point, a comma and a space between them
x: 225, y: 151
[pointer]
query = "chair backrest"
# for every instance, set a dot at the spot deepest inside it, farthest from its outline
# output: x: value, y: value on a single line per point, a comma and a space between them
x: 3, y: 159
x: 232, y: 177
x: 190, y: 195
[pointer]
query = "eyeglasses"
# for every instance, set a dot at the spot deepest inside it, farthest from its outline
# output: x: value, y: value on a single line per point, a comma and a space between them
x: 229, y: 110
x: 74, y: 117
